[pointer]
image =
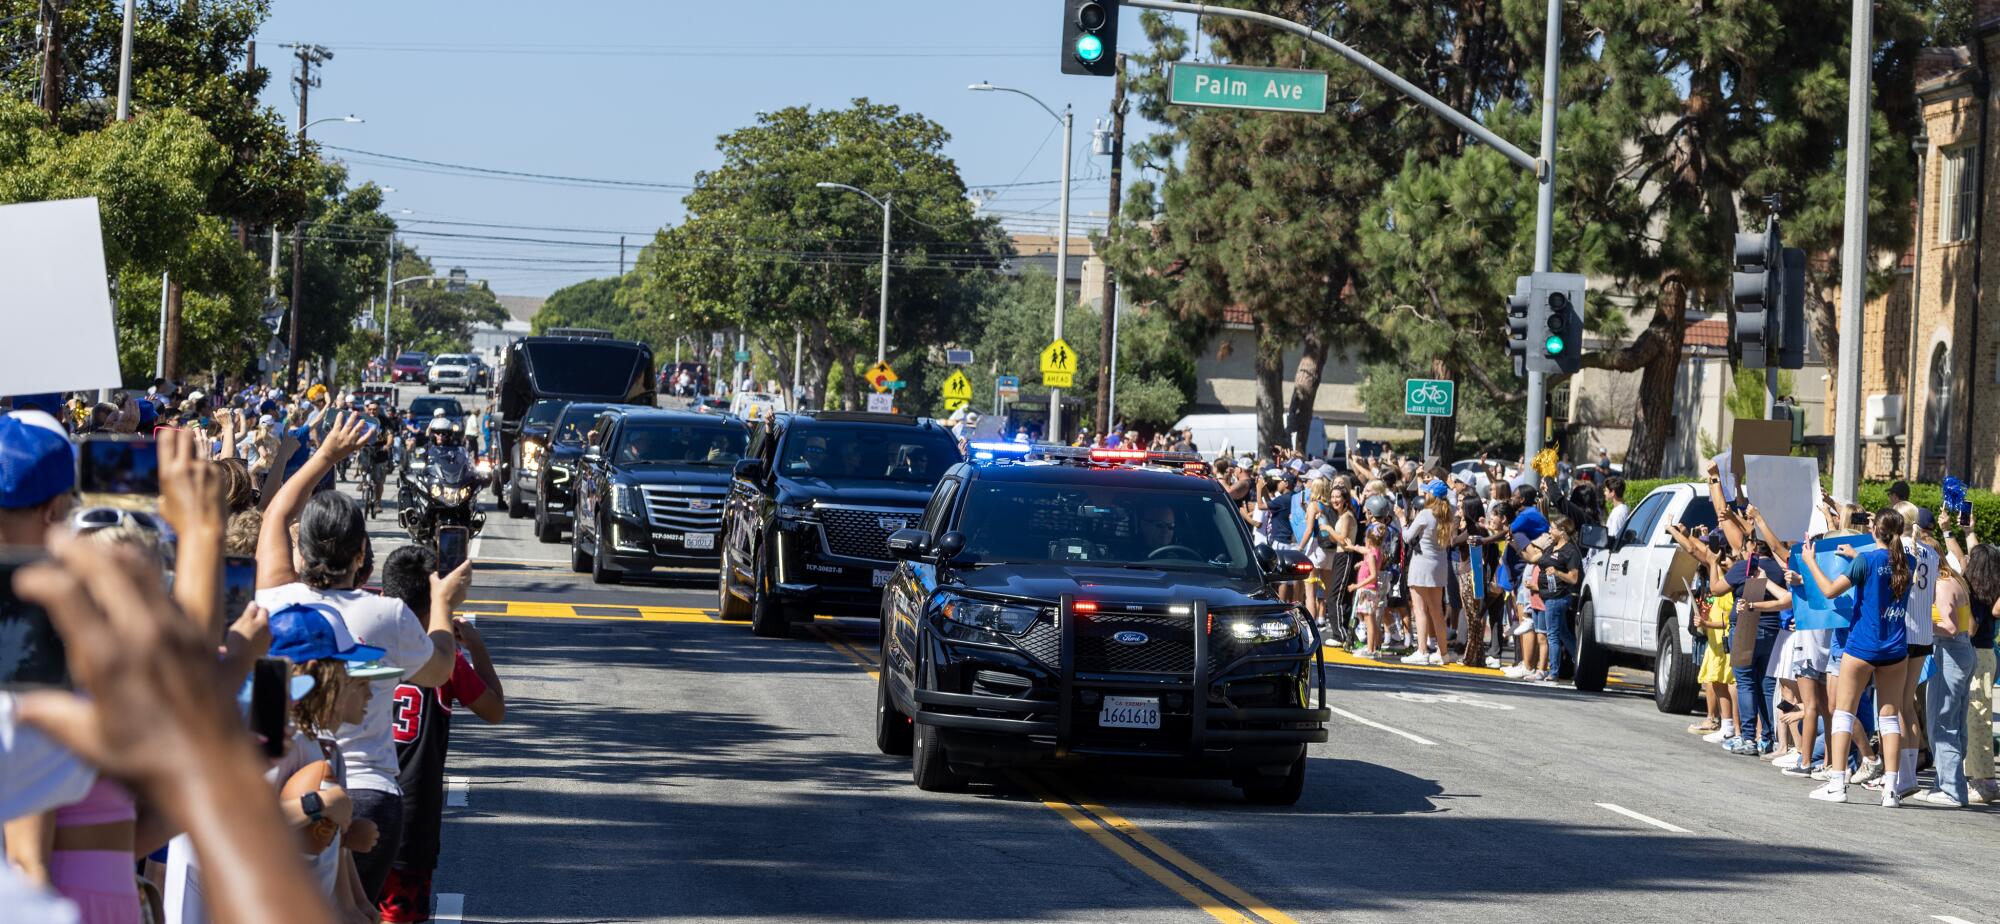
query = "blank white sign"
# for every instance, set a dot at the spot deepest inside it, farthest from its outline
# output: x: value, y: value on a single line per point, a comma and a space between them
x: 55, y: 301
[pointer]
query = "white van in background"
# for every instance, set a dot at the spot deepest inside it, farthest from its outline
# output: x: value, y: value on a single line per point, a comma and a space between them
x: 1213, y: 433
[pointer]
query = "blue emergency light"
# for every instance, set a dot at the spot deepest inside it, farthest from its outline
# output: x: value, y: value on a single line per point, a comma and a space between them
x: 988, y: 451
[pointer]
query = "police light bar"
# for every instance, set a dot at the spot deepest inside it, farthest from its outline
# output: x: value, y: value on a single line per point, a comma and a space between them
x: 1119, y: 455
x: 987, y: 451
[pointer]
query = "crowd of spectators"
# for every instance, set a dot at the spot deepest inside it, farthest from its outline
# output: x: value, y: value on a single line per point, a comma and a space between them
x: 208, y: 709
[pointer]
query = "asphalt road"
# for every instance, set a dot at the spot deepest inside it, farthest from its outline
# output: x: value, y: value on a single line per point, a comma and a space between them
x: 659, y: 765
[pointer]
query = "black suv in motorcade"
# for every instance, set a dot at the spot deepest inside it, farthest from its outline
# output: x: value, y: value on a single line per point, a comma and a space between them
x: 578, y: 365
x: 649, y: 490
x: 1107, y: 605
x: 555, y: 485
x: 811, y: 509
x: 531, y: 449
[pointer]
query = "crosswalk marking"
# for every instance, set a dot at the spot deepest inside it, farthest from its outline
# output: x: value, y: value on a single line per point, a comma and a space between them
x: 612, y: 612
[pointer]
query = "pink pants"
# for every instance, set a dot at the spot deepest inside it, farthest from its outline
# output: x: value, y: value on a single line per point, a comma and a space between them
x: 102, y: 883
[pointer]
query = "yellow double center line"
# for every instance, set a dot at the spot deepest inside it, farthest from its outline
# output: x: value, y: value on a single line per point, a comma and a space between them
x: 1129, y: 842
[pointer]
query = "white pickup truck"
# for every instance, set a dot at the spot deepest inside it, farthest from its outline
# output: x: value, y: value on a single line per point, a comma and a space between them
x: 1628, y: 615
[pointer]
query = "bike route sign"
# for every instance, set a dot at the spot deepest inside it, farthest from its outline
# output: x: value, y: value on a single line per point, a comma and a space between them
x: 1428, y: 397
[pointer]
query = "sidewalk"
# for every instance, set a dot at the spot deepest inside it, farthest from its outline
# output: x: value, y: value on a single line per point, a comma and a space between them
x: 1621, y: 680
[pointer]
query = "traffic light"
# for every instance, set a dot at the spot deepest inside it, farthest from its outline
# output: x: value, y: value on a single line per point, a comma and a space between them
x: 1517, y: 326
x: 1555, y: 323
x: 1755, y: 325
x: 1090, y: 37
x: 1792, y: 292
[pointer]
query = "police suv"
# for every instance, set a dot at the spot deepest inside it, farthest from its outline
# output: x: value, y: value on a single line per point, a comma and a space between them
x: 1059, y: 604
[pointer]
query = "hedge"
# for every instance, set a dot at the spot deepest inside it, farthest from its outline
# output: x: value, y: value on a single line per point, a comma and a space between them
x: 1874, y: 495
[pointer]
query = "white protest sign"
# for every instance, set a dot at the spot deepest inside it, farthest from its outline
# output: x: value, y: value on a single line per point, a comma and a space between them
x: 55, y: 303
x: 1725, y: 467
x: 1784, y: 489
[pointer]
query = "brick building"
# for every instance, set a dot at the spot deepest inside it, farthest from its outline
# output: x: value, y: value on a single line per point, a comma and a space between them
x: 1931, y: 344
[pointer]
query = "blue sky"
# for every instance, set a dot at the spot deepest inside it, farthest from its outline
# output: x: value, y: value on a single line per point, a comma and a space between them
x: 639, y: 91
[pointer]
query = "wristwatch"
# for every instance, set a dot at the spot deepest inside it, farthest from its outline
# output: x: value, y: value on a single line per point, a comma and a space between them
x: 312, y: 805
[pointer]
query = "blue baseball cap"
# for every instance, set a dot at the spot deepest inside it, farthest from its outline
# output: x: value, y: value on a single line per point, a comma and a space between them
x: 1437, y: 489
x: 303, y: 632
x: 36, y: 464
x: 50, y: 402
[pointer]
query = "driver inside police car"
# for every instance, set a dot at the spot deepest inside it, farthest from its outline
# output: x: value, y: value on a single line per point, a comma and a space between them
x: 1156, y: 528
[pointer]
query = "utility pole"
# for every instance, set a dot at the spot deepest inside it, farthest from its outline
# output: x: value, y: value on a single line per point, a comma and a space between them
x: 308, y: 55
x: 52, y: 52
x: 1062, y: 267
x: 388, y: 300
x: 621, y: 254
x: 1545, y: 209
x: 1107, y: 348
x: 1853, y: 260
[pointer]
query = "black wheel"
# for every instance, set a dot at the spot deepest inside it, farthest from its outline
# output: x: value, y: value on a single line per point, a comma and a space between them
x: 893, y: 729
x: 1284, y: 790
x: 928, y: 765
x: 1593, y: 661
x: 727, y: 605
x: 516, y: 507
x: 1674, y: 689
x: 600, y: 571
x: 767, y: 616
x: 545, y: 529
x: 579, y: 560
x: 433, y: 389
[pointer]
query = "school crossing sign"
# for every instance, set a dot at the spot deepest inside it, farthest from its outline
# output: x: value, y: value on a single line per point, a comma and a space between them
x: 1058, y: 365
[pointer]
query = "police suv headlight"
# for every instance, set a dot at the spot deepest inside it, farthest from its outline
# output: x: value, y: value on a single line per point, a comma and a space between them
x: 1008, y: 618
x: 1256, y: 630
x: 625, y: 501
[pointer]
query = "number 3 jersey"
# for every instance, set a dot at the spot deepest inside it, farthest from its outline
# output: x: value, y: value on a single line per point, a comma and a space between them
x: 421, y: 720
x: 1923, y: 591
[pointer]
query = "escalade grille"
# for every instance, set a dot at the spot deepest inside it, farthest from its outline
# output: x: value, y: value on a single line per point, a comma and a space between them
x: 862, y: 532
x: 684, y: 507
x: 1168, y: 649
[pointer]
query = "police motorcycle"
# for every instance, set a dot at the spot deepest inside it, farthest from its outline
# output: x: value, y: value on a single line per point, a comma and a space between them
x: 440, y: 483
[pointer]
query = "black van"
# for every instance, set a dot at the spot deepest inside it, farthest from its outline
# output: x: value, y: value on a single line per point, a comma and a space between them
x: 573, y: 366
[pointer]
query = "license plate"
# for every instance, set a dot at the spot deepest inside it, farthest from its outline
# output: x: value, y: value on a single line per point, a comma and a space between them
x: 881, y: 577
x: 1129, y: 712
x: 699, y: 540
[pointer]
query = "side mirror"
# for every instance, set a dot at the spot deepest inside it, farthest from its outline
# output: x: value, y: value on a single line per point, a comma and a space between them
x: 1267, y: 558
x: 753, y: 470
x: 1595, y: 536
x: 593, y: 454
x: 909, y: 544
x: 1291, y: 565
x: 948, y: 546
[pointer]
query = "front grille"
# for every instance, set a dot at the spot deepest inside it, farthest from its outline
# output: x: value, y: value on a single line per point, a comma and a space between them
x: 695, y: 507
x: 862, y: 532
x: 1168, y: 649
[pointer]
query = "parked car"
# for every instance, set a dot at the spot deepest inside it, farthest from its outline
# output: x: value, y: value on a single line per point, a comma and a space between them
x: 410, y: 366
x: 454, y: 370
x: 752, y: 405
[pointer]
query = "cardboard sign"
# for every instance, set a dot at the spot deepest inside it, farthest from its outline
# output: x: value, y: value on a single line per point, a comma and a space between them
x: 55, y: 304
x: 1725, y: 469
x: 1784, y: 488
x: 1743, y: 635
x: 1760, y: 438
x: 1680, y: 575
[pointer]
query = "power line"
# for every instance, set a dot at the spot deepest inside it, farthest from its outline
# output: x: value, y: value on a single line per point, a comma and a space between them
x: 641, y: 184
x: 691, y: 51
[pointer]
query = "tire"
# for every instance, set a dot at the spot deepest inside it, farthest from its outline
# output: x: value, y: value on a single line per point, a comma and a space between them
x: 768, y: 617
x: 1674, y: 690
x: 546, y: 531
x: 894, y: 733
x: 929, y: 768
x: 1593, y: 661
x: 727, y: 607
x: 433, y: 389
x: 517, y: 509
x: 1284, y: 790
x: 601, y: 573
x: 579, y: 561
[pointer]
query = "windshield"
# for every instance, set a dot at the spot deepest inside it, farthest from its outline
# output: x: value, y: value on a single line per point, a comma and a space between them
x: 576, y: 421
x: 422, y: 409
x: 679, y: 444
x: 586, y: 368
x: 1012, y: 522
x: 898, y: 453
x: 544, y: 412
x: 410, y: 358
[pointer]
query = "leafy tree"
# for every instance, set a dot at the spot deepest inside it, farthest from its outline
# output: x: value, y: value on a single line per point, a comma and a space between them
x: 592, y: 303
x: 1015, y: 322
x: 430, y: 317
x: 764, y: 249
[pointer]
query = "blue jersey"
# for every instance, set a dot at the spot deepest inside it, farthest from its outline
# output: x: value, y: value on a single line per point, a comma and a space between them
x: 1878, y: 632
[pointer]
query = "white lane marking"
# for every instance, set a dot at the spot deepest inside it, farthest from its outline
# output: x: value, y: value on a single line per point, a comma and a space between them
x: 1371, y: 723
x: 1456, y: 699
x: 472, y: 548
x: 1655, y: 822
x: 1948, y: 919
x: 450, y: 908
x: 454, y: 791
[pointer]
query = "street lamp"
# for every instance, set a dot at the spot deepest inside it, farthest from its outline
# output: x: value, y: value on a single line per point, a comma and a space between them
x: 882, y: 320
x: 350, y: 118
x: 1068, y: 121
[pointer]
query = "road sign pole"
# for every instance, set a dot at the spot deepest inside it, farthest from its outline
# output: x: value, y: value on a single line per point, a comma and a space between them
x: 1062, y: 269
x: 882, y: 321
x: 1428, y: 451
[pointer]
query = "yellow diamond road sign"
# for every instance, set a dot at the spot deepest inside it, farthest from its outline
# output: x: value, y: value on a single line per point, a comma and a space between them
x: 879, y: 376
x: 957, y: 390
x: 1058, y: 365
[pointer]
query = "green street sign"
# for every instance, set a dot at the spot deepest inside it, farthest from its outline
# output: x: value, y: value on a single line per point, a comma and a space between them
x: 1233, y: 87
x: 1428, y: 397
x: 742, y: 356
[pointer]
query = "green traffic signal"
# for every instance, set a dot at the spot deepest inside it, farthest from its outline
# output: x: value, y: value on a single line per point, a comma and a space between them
x: 1089, y: 48
x: 1554, y: 345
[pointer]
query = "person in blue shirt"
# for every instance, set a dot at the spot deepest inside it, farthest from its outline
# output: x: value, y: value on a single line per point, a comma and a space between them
x: 1877, y: 649
x: 1527, y: 526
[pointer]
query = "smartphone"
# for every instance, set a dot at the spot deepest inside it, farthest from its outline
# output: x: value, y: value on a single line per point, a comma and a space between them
x: 1965, y: 516
x: 270, y: 699
x: 31, y: 651
x: 239, y: 585
x: 451, y: 541
x: 111, y: 464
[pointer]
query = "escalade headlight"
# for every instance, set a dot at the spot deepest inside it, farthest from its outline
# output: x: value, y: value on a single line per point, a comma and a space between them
x: 795, y: 511
x: 531, y: 455
x: 625, y: 501
x: 559, y: 473
x: 1010, y: 618
x: 1257, y: 630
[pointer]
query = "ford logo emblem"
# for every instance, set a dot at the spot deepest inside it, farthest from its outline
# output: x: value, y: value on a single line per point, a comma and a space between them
x: 1130, y: 638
